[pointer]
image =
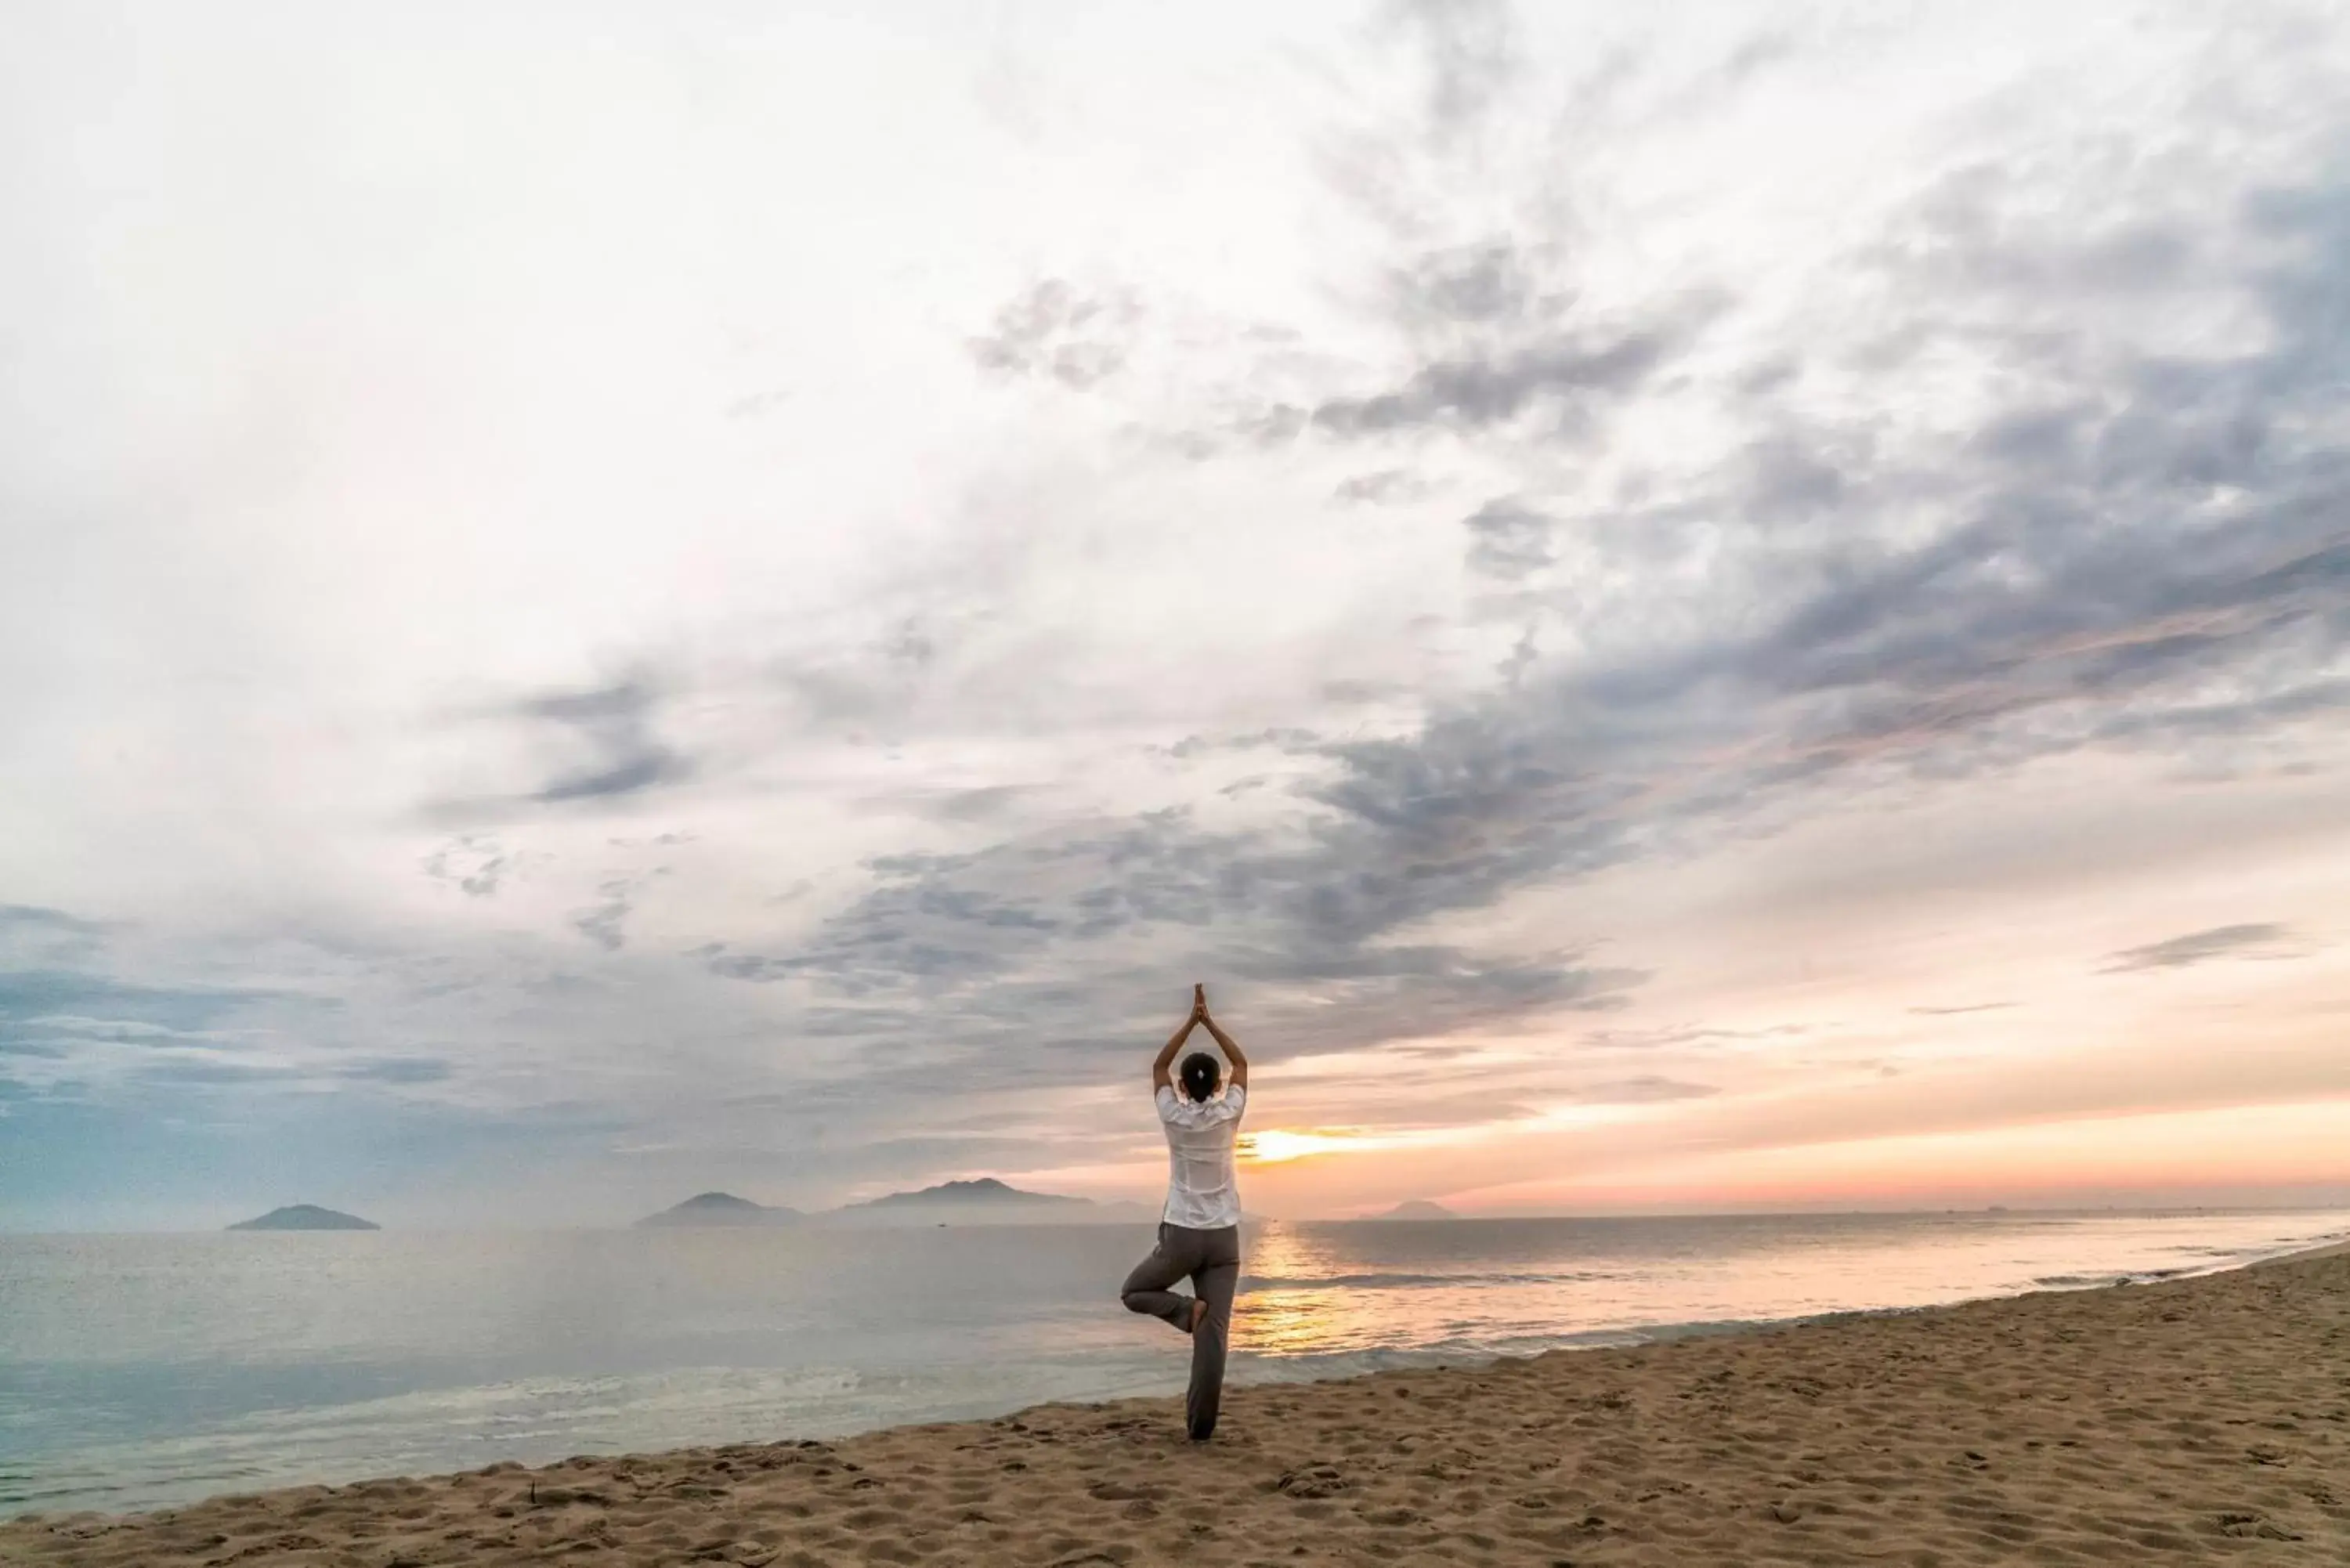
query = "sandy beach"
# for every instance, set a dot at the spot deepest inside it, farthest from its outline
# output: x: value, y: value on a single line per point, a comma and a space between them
x: 2198, y: 1419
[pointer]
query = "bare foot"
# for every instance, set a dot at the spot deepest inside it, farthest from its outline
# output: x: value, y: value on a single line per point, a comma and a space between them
x: 1199, y: 1317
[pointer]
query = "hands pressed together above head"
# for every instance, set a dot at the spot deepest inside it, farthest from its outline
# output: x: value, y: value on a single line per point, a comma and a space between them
x: 1198, y: 1018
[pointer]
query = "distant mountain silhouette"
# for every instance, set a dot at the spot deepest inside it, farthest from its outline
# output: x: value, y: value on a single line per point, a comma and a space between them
x: 1418, y: 1209
x: 984, y: 1201
x: 718, y: 1208
x: 305, y: 1217
x: 986, y: 1190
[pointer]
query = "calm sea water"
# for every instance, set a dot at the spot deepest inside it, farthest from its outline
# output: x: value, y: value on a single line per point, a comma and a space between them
x: 137, y: 1371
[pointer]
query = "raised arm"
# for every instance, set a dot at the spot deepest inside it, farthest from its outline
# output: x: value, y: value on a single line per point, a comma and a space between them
x: 1160, y: 1078
x: 1231, y: 1047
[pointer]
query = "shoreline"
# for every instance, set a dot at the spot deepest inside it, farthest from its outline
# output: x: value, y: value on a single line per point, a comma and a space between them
x: 84, y: 1487
x: 2199, y: 1416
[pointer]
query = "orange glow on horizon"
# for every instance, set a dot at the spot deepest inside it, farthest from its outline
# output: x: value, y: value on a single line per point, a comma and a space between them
x: 1286, y: 1145
x: 2296, y: 1144
x: 1278, y: 1146
x: 1697, y: 1157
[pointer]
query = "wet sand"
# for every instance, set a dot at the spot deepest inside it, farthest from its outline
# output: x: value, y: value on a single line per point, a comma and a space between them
x: 2200, y: 1420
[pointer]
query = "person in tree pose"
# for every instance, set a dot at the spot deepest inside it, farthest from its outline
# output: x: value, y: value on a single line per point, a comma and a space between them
x: 1200, y: 1230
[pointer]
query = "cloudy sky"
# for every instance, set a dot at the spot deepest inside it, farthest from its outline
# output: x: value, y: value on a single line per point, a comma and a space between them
x: 1678, y: 605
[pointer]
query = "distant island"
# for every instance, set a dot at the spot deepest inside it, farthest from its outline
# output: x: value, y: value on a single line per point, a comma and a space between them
x: 718, y: 1208
x: 1418, y: 1209
x: 305, y: 1217
x: 982, y: 1201
x: 986, y: 1191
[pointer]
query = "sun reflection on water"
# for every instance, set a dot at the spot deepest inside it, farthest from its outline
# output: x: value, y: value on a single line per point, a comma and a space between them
x: 1291, y: 1321
x: 1302, y: 1295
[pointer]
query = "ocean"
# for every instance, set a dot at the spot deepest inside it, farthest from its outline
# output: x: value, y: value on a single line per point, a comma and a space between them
x: 139, y: 1371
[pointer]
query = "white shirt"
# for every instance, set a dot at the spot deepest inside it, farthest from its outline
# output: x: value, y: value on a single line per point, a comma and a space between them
x: 1202, y: 1193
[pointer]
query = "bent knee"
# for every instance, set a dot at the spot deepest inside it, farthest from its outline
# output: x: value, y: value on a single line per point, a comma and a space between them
x: 1137, y: 1301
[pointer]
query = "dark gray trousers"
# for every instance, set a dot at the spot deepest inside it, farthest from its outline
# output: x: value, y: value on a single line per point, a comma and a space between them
x: 1213, y: 1259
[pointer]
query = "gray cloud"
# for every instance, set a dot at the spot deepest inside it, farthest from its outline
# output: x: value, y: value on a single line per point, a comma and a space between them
x: 1963, y: 1009
x: 2063, y: 580
x: 1383, y: 486
x: 612, y: 725
x: 1568, y: 376
x: 945, y: 945
x: 2254, y: 940
x: 1289, y: 740
x: 593, y: 744
x: 1757, y: 52
x: 881, y: 685
x: 476, y: 864
x: 984, y: 803
x: 603, y: 922
x: 2076, y: 596
x: 1473, y: 59
x: 1508, y: 539
x: 1492, y: 282
x: 1054, y: 331
x: 1494, y: 348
